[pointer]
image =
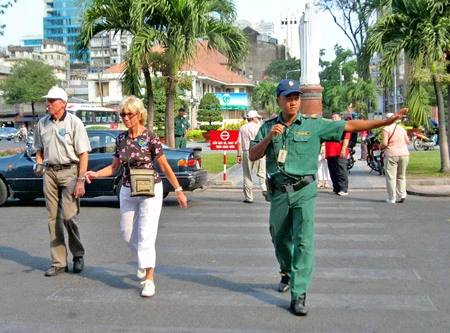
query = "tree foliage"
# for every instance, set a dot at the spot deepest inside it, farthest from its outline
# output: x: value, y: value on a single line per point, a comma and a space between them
x: 264, y: 95
x: 28, y: 81
x: 420, y: 28
x: 209, y: 111
x: 277, y: 70
x: 354, y: 19
x: 4, y: 5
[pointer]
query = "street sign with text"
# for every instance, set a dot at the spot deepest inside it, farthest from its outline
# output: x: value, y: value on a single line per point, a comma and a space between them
x: 224, y: 140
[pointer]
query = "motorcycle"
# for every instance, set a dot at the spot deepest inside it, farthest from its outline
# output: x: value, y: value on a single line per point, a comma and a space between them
x: 374, y: 154
x: 421, y: 141
x: 351, y: 158
x: 20, y: 137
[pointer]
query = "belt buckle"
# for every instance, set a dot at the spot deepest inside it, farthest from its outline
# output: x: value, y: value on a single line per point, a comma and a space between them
x: 289, y: 188
x: 56, y: 167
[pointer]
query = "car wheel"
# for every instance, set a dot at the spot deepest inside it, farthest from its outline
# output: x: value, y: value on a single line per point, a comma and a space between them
x: 3, y: 193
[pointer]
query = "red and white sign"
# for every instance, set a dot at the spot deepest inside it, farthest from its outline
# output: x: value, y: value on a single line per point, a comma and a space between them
x: 224, y: 140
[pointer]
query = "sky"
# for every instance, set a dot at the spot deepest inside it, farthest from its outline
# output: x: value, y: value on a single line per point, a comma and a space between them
x: 25, y: 18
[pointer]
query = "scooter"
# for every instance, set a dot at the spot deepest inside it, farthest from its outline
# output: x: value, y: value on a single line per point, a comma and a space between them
x: 374, y: 154
x: 421, y: 141
x: 351, y: 159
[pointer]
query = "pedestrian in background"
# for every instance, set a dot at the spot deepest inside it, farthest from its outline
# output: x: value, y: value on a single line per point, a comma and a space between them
x: 323, y: 174
x: 182, y: 127
x: 291, y: 143
x: 138, y: 148
x: 62, y: 145
x: 336, y: 154
x: 396, y: 158
x: 363, y: 137
x: 247, y: 133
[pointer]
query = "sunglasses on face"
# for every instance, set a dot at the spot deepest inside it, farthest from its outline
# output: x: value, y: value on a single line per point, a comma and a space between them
x: 130, y: 115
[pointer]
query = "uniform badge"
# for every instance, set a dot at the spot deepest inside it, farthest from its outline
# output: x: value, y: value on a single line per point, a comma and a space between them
x: 62, y: 132
x: 142, y: 142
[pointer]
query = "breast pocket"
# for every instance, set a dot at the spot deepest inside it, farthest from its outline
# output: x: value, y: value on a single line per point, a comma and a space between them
x: 301, y: 143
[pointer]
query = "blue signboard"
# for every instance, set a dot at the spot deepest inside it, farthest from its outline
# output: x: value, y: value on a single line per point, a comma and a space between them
x: 232, y: 101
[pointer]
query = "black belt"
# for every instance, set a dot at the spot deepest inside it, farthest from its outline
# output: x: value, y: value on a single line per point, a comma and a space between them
x: 179, y: 136
x: 57, y: 167
x: 295, y: 186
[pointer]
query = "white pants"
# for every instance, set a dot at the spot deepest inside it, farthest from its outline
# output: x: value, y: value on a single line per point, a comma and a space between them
x: 139, y: 223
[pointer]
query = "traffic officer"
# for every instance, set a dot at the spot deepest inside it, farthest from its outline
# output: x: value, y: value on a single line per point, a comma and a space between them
x: 291, y: 143
x: 182, y: 127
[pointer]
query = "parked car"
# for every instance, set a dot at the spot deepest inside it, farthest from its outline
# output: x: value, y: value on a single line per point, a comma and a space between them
x: 7, y: 133
x: 17, y: 179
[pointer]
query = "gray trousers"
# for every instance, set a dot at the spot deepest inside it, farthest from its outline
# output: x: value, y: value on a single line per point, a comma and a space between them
x: 395, y: 170
x: 247, y: 168
x: 63, y: 209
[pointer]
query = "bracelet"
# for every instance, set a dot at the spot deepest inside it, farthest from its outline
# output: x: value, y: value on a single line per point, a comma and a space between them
x: 178, y: 189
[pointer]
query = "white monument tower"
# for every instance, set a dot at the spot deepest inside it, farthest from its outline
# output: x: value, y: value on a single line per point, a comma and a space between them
x: 309, y: 31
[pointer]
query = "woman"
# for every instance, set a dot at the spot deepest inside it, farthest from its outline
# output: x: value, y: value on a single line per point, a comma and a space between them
x: 363, y: 136
x: 396, y: 157
x: 323, y: 174
x: 138, y: 148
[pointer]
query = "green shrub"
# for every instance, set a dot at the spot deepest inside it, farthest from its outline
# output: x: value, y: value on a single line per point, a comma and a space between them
x: 210, y: 127
x: 195, y: 134
x: 235, y: 126
x: 9, y: 152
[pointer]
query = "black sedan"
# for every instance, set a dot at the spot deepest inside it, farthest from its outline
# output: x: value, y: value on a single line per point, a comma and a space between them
x: 17, y: 179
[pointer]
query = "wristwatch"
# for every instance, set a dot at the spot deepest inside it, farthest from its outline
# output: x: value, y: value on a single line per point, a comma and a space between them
x: 81, y: 179
x: 178, y: 189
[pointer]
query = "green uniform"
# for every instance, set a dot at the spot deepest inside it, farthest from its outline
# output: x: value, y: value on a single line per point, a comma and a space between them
x: 181, y: 127
x: 292, y: 212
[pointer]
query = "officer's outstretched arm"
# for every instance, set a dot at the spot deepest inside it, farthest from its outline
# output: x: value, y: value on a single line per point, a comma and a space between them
x: 361, y: 125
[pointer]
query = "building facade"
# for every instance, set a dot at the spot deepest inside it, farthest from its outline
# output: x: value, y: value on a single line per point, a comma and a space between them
x: 290, y: 22
x: 61, y: 23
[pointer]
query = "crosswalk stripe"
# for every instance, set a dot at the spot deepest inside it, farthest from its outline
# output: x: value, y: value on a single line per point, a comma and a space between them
x: 266, y: 236
x: 375, y: 253
x: 239, y: 225
x: 257, y: 298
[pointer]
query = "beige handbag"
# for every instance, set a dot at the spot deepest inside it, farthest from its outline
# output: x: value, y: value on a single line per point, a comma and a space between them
x: 142, y: 182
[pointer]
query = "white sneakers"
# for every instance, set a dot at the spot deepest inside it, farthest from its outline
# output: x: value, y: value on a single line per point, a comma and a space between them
x: 141, y: 273
x: 149, y: 288
x: 390, y: 201
x: 342, y: 193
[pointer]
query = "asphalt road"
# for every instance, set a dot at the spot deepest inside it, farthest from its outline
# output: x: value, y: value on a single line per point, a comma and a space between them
x: 379, y: 268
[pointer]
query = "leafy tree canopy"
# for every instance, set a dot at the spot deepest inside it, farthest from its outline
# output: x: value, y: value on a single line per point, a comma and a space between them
x: 209, y: 102
x: 28, y: 81
x: 278, y: 69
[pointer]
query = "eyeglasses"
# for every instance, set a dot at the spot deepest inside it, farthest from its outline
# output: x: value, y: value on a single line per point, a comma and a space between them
x: 130, y: 115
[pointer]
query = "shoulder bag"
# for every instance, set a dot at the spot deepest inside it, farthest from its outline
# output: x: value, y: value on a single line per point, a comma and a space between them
x: 142, y: 181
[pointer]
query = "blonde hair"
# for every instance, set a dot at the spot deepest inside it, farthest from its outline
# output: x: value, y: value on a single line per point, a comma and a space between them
x: 134, y: 104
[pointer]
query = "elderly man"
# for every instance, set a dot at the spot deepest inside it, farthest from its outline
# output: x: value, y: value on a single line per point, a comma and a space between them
x: 247, y: 133
x: 62, y: 146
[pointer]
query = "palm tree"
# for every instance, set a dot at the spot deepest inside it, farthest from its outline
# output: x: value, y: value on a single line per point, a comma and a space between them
x: 177, y: 26
x: 265, y: 94
x: 118, y: 16
x: 421, y: 29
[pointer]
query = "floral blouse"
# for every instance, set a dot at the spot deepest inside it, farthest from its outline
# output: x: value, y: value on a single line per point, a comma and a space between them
x: 138, y: 153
